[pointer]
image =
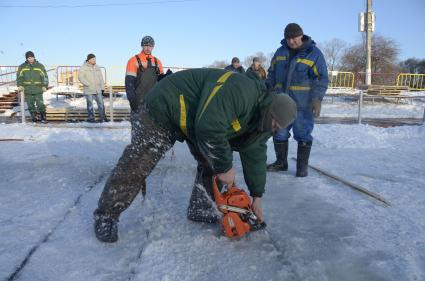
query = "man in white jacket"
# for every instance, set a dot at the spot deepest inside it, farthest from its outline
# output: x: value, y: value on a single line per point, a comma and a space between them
x: 91, y: 77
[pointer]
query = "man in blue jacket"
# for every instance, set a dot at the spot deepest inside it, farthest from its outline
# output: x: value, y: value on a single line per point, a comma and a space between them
x: 298, y: 69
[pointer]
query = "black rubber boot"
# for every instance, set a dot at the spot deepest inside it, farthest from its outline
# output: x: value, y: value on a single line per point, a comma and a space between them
x: 34, y: 117
x: 201, y: 204
x: 303, y: 154
x: 105, y: 227
x: 43, y: 117
x: 281, y: 163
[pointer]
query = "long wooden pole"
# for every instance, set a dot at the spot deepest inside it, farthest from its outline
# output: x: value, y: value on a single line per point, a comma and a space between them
x: 354, y: 186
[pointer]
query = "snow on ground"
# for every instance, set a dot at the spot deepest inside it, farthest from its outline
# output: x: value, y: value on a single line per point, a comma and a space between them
x: 318, y: 229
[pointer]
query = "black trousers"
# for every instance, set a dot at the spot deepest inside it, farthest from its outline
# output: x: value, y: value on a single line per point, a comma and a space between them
x: 149, y: 143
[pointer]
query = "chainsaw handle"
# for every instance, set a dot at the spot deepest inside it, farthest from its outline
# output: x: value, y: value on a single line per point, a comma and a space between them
x: 217, y: 193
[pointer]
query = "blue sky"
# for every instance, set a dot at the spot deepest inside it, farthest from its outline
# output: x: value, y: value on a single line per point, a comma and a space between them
x: 192, y: 33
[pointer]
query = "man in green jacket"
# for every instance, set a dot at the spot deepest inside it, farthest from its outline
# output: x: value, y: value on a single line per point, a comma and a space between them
x: 216, y: 112
x: 32, y: 77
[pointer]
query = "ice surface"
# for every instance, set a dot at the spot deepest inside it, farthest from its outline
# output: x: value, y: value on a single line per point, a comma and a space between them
x: 318, y: 229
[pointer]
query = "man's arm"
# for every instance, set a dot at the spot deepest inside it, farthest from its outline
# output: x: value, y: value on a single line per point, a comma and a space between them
x: 271, y: 75
x: 130, y: 84
x: 130, y: 89
x: 46, y: 77
x: 82, y: 77
x: 19, y: 77
x: 319, y: 73
x: 253, y: 160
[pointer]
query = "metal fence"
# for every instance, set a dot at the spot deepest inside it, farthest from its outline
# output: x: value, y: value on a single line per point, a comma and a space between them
x: 413, y: 81
x: 341, y: 80
x: 67, y: 75
x: 8, y: 74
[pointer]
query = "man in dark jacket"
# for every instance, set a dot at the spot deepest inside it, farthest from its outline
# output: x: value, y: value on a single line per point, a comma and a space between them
x: 298, y: 69
x: 236, y: 66
x: 32, y: 77
x: 216, y: 112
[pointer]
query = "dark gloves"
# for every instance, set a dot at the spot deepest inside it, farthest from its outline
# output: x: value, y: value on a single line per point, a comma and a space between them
x: 316, y: 105
x: 162, y: 76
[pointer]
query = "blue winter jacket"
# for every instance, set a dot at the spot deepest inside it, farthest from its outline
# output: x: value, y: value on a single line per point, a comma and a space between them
x: 304, y: 77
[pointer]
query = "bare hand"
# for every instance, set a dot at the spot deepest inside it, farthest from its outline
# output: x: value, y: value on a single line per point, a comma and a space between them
x: 256, y: 207
x: 227, y: 178
x: 43, y: 89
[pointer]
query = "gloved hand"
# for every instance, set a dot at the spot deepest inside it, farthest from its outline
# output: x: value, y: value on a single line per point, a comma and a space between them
x: 316, y: 106
x: 43, y: 89
x: 20, y: 88
x: 257, y: 208
x: 227, y: 178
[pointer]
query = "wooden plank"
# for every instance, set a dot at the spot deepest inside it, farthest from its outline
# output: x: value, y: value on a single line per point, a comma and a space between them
x: 354, y: 186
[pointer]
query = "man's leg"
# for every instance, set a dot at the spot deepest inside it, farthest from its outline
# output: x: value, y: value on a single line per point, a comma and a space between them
x: 201, y: 204
x: 40, y: 106
x: 148, y: 145
x: 100, y: 106
x: 90, y: 110
x: 280, y: 141
x: 30, y: 99
x: 302, y: 129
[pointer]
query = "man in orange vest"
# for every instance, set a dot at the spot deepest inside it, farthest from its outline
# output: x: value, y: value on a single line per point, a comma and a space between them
x: 143, y: 71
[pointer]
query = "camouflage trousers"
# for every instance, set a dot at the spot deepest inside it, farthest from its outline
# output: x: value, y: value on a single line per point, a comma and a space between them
x: 149, y: 142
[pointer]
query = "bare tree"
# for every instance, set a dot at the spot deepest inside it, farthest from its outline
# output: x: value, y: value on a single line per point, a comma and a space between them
x: 218, y: 64
x: 265, y: 61
x: 385, y: 53
x: 333, y: 51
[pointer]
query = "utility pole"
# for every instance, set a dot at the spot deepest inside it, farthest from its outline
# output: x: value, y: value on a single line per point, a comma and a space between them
x: 369, y: 26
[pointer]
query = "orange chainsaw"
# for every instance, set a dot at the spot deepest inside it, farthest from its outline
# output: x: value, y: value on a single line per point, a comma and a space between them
x: 236, y: 206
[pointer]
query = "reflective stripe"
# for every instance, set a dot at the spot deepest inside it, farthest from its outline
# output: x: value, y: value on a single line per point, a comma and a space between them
x: 315, y: 70
x: 134, y: 74
x: 236, y: 125
x: 224, y: 77
x: 279, y: 85
x: 310, y: 63
x: 32, y: 82
x: 220, y: 83
x: 23, y: 69
x: 306, y: 61
x: 39, y: 69
x: 279, y: 58
x: 299, y: 88
x: 183, y: 125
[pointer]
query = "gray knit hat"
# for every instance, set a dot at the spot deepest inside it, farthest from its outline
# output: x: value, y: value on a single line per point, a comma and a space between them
x: 282, y: 109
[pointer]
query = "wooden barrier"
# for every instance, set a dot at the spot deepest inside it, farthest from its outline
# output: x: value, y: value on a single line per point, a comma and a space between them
x: 80, y: 114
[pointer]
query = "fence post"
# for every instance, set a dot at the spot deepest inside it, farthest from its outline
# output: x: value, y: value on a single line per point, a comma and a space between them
x: 360, y: 107
x: 423, y: 118
x: 22, y: 106
x: 111, y: 104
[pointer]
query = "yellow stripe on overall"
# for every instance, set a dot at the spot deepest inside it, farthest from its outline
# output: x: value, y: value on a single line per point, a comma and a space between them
x: 183, y: 116
x: 220, y: 82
